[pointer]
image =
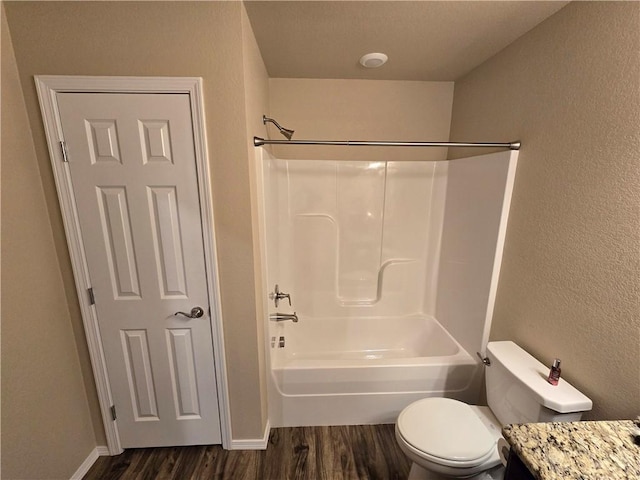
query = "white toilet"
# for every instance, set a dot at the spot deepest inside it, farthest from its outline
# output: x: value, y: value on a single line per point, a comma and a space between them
x: 445, y: 438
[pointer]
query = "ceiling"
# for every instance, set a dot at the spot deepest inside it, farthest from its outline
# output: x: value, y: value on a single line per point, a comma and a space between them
x: 425, y: 40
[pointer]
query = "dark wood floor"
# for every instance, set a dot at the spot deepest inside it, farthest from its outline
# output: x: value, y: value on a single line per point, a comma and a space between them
x: 313, y: 453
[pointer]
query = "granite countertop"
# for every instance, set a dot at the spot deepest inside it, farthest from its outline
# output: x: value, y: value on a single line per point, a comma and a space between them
x: 577, y: 450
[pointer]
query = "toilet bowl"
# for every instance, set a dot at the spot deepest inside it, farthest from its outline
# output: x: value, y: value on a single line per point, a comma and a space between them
x: 449, y: 439
x: 446, y: 438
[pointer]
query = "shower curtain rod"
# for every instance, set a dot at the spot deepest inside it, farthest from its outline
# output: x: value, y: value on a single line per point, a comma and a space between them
x: 258, y: 142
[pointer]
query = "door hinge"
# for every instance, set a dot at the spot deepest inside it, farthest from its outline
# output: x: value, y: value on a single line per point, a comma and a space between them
x: 63, y: 147
x: 92, y: 298
x: 113, y: 413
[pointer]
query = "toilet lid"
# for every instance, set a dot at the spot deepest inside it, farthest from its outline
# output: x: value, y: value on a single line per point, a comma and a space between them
x: 446, y: 429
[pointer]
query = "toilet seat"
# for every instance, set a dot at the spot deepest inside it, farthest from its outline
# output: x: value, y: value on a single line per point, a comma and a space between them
x: 446, y: 432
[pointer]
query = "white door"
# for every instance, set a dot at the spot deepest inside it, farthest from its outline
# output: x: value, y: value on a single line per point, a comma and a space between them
x: 133, y: 170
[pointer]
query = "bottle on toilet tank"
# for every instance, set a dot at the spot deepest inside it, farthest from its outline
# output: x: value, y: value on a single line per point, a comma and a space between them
x: 554, y: 373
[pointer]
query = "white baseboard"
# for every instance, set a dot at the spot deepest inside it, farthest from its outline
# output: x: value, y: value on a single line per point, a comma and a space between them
x: 103, y: 450
x: 253, y: 443
x: 87, y: 464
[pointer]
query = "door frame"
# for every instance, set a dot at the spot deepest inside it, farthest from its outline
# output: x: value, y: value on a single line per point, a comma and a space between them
x: 48, y: 86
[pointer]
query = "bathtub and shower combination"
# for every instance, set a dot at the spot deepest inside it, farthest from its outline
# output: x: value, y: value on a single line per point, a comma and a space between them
x: 391, y: 268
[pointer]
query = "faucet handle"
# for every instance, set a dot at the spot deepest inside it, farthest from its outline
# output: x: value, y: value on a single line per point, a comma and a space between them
x: 277, y: 295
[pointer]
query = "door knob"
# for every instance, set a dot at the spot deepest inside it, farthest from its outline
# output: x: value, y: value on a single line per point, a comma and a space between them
x: 196, y: 312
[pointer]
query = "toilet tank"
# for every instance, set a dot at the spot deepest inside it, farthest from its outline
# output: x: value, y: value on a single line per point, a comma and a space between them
x: 518, y: 391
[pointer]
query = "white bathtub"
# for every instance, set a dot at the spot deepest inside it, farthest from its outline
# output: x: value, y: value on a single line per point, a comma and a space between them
x: 341, y: 371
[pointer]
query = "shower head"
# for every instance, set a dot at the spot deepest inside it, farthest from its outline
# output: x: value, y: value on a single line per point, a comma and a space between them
x: 287, y: 133
x: 284, y: 131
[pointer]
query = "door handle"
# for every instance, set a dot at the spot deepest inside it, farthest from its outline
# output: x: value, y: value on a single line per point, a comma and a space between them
x: 196, y: 312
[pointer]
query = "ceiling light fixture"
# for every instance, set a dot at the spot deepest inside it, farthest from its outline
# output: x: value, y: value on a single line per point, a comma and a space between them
x: 373, y: 60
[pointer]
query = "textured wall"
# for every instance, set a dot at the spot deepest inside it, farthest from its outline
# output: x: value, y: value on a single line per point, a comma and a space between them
x: 202, y: 39
x: 256, y: 85
x: 46, y: 424
x: 570, y: 90
x: 361, y: 110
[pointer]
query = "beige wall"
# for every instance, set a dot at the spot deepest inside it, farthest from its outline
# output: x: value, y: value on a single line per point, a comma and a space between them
x: 203, y: 39
x: 361, y: 110
x: 46, y: 424
x: 256, y: 83
x: 570, y: 90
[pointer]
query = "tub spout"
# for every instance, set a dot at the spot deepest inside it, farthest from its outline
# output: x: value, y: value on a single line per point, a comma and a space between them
x: 281, y: 317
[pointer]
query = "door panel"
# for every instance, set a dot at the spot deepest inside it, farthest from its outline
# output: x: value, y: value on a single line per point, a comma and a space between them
x: 167, y: 243
x: 139, y: 376
x: 185, y: 389
x: 118, y: 240
x: 132, y: 165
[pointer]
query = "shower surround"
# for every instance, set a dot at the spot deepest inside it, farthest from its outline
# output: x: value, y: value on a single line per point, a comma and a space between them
x: 392, y: 269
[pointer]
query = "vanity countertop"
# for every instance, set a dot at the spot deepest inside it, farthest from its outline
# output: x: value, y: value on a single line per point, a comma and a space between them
x: 577, y: 450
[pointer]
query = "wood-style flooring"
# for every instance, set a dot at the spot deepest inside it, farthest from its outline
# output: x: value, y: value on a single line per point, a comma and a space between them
x: 310, y: 453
